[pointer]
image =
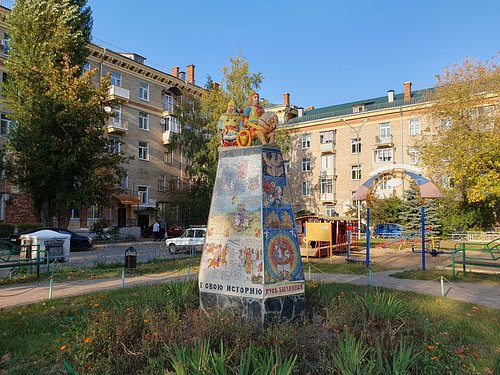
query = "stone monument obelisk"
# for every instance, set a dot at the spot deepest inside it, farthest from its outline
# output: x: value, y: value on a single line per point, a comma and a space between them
x: 251, y: 263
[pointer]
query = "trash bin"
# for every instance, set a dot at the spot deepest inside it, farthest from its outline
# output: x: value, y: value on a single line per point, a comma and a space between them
x: 131, y: 258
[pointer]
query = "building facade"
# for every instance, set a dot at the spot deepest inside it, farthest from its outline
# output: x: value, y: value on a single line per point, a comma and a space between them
x: 141, y: 126
x: 335, y: 149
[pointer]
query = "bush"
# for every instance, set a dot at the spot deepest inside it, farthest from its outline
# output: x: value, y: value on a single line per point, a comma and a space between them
x: 25, y: 227
x: 6, y: 230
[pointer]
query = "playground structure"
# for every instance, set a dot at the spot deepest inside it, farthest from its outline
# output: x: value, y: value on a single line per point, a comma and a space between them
x: 328, y: 236
x: 424, y: 188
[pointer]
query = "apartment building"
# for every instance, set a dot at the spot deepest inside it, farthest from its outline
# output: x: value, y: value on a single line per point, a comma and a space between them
x: 336, y: 148
x: 142, y: 125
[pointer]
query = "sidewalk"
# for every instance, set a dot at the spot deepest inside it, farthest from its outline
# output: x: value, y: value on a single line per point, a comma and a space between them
x: 25, y: 294
x: 487, y: 294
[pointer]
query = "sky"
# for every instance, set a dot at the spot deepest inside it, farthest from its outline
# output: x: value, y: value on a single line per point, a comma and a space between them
x: 322, y: 52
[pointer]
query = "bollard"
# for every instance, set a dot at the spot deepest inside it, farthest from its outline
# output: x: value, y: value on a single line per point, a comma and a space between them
x: 309, y: 271
x: 188, y: 272
x: 442, y: 286
x: 51, y: 283
x: 370, y: 276
x: 123, y: 278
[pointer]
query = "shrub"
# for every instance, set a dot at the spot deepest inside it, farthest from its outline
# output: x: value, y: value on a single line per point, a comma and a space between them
x: 6, y: 230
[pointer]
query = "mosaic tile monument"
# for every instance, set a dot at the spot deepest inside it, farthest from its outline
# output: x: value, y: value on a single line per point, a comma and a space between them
x: 251, y: 262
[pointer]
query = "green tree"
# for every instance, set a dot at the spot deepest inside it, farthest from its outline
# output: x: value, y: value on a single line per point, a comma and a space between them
x: 385, y: 210
x: 199, y: 139
x: 410, y: 215
x: 57, y: 150
x: 462, y: 150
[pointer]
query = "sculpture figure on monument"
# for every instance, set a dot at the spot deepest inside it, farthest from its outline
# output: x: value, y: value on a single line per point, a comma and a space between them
x: 229, y: 124
x: 256, y: 123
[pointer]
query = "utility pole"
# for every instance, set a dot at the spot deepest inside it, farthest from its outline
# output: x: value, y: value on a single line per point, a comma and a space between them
x: 357, y: 130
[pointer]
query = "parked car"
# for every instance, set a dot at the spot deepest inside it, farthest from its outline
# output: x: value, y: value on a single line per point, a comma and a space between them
x: 388, y: 230
x: 78, y: 242
x: 174, y: 230
x: 192, y: 238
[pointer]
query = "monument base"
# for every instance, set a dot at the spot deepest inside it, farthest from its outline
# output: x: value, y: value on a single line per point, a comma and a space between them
x: 267, y: 311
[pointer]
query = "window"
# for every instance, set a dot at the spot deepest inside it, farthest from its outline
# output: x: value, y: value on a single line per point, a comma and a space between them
x: 306, y: 140
x: 117, y: 114
x: 358, y: 108
x: 414, y: 154
x: 175, y: 183
x: 116, y: 79
x: 330, y: 210
x: 168, y: 103
x: 384, y: 185
x: 75, y: 213
x: 382, y: 156
x: 356, y: 146
x: 169, y: 156
x: 143, y: 194
x: 5, y: 125
x: 6, y: 48
x: 86, y: 67
x: 162, y: 183
x: 286, y: 165
x: 385, y: 130
x: 143, y: 120
x: 172, y: 124
x: 445, y: 123
x: 326, y: 185
x: 414, y: 126
x: 174, y: 212
x: 306, y: 164
x: 143, y: 151
x: 305, y: 188
x: 124, y: 184
x: 115, y: 144
x: 94, y: 212
x: 326, y: 162
x: 326, y: 137
x: 356, y: 172
x: 144, y: 91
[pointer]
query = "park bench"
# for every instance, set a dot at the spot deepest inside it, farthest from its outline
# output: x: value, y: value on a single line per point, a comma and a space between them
x: 490, y: 258
x: 10, y: 257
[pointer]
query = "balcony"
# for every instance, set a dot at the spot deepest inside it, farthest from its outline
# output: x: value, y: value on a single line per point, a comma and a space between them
x: 325, y: 173
x: 167, y: 137
x: 117, y: 126
x: 384, y: 141
x: 119, y: 93
x: 328, y: 197
x: 327, y: 147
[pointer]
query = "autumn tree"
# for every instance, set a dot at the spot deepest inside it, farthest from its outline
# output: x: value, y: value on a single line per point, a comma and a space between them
x: 200, y: 139
x: 461, y: 150
x: 57, y: 150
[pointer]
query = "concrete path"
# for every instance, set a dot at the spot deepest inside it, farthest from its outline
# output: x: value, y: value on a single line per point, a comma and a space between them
x: 487, y: 294
x: 25, y: 294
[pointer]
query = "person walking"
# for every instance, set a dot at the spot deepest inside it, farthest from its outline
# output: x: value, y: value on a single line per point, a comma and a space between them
x: 156, y: 231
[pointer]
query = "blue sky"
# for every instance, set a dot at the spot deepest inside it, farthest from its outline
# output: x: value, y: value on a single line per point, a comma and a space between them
x: 321, y: 52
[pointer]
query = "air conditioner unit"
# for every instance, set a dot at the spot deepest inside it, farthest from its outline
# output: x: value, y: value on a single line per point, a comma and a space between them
x: 323, y: 173
x: 163, y: 121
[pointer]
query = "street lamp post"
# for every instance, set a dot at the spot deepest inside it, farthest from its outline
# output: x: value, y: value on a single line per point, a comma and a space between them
x: 358, y: 152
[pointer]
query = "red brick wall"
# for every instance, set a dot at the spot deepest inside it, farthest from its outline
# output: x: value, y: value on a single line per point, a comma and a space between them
x: 19, y: 210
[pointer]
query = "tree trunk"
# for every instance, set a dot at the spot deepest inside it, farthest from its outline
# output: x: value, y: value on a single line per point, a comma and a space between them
x: 46, y: 214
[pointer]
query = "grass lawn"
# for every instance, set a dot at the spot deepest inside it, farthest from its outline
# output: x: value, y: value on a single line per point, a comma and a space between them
x: 436, y: 274
x: 103, y: 270
x: 158, y: 329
